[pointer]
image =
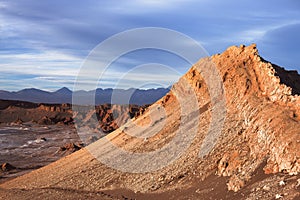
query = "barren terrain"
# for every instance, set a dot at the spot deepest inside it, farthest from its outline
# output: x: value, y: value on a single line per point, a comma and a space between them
x: 179, y: 151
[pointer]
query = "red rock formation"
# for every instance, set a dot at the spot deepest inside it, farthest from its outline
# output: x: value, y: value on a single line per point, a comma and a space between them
x: 70, y: 148
x: 7, y: 167
x: 263, y: 107
x: 109, y: 116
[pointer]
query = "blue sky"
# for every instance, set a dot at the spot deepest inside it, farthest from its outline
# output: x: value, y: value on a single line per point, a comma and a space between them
x: 44, y: 43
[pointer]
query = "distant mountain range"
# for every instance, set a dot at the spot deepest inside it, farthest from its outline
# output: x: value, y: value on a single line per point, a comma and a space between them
x: 102, y: 96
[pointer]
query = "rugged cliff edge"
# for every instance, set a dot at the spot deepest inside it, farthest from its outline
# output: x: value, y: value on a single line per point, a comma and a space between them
x: 256, y: 154
x: 18, y: 112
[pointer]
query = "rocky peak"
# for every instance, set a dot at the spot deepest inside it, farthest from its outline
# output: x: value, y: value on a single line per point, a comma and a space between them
x: 263, y: 114
x: 245, y: 75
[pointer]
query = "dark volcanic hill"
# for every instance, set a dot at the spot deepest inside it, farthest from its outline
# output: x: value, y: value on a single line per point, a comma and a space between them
x: 102, y: 96
x: 228, y: 129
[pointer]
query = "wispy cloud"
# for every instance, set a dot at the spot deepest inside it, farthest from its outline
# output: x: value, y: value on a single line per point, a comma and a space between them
x: 50, y: 39
x: 42, y: 63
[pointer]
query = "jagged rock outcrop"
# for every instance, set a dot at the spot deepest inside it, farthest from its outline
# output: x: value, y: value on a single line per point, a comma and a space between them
x: 266, y: 111
x: 67, y: 108
x: 70, y: 148
x: 109, y: 117
x: 112, y: 116
x: 7, y: 167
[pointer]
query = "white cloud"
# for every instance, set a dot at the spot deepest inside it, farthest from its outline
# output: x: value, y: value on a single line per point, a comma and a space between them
x: 160, y: 3
x: 52, y: 69
x: 47, y: 63
x: 37, y: 38
x: 255, y: 34
x: 3, y: 5
x: 148, y: 6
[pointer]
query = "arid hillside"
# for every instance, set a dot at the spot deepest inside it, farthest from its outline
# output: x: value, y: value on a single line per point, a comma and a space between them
x: 229, y: 129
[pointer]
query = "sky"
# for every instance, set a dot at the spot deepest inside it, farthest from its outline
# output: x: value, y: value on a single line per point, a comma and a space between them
x: 44, y: 44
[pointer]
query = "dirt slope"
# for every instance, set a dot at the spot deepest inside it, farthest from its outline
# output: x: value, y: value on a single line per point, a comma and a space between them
x: 251, y: 150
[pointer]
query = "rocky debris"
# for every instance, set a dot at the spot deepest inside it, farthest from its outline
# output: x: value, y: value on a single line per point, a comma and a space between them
x: 39, y: 140
x: 229, y: 164
x: 18, y: 121
x: 235, y: 183
x: 298, y: 183
x: 68, y: 121
x: 55, y: 120
x: 71, y: 147
x: 281, y: 183
x: 111, y: 117
x: 65, y: 121
x: 266, y: 188
x: 45, y: 121
x: 7, y: 167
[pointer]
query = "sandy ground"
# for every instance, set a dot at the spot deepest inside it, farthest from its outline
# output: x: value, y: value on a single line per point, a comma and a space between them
x: 31, y: 146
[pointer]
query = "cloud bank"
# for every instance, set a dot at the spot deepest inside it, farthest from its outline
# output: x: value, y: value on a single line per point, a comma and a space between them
x: 43, y: 43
